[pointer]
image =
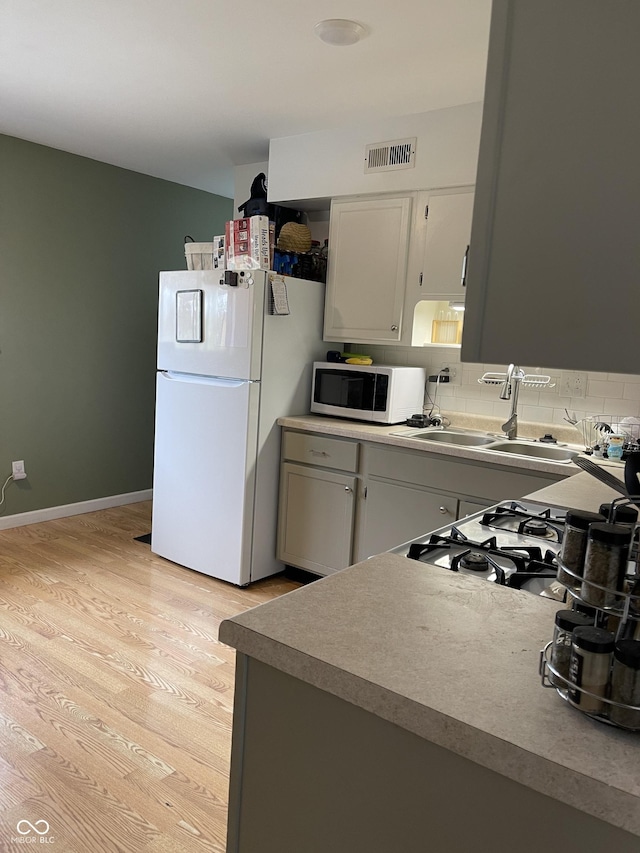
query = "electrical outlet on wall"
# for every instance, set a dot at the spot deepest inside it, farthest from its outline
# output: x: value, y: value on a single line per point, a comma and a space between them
x: 17, y: 470
x: 454, y: 371
x: 573, y: 384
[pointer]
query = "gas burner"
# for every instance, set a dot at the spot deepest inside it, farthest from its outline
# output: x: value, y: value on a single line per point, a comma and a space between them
x: 538, y: 527
x: 516, y: 564
x: 544, y: 523
x: 482, y: 561
x: 474, y: 561
x: 520, y: 553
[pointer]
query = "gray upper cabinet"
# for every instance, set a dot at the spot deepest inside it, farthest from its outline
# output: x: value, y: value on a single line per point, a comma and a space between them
x: 554, y: 262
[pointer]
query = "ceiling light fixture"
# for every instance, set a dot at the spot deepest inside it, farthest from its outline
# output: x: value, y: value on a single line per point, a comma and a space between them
x: 339, y: 31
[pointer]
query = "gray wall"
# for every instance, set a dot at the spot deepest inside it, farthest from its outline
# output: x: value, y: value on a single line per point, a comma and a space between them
x: 81, y: 245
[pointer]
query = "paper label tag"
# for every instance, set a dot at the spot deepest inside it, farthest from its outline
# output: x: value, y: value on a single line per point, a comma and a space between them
x: 279, y: 295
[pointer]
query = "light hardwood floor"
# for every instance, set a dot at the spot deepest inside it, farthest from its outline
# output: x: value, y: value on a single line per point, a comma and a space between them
x: 115, y: 695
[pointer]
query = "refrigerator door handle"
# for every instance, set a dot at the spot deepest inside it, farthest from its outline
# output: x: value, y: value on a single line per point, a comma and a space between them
x: 203, y: 380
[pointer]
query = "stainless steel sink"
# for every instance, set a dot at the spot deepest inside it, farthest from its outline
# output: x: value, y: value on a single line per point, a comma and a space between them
x: 496, y: 444
x: 467, y: 439
x: 534, y: 450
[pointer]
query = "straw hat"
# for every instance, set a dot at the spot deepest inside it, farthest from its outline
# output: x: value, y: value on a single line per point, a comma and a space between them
x: 294, y: 237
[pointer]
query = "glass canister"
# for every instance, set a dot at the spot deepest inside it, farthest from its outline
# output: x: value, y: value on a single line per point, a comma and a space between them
x: 590, y: 611
x: 605, y: 563
x: 566, y: 621
x: 633, y: 591
x: 622, y: 514
x: 574, y: 543
x: 589, y: 667
x: 625, y: 683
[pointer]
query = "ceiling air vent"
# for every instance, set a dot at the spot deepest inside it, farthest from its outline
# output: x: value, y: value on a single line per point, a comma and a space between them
x: 389, y: 156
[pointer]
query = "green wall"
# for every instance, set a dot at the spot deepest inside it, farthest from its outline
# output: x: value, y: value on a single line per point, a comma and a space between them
x: 81, y: 245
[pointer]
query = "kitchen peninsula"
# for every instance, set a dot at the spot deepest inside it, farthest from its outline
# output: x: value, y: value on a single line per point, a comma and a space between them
x: 395, y: 706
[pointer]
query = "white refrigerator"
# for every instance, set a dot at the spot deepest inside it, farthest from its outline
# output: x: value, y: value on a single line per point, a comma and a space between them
x: 228, y: 367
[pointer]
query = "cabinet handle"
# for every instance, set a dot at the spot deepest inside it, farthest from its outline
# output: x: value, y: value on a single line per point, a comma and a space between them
x: 318, y: 452
x: 463, y: 279
x: 347, y: 488
x: 443, y: 510
x: 394, y: 328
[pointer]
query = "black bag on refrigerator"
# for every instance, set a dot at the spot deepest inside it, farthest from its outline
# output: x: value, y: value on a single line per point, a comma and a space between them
x: 257, y: 205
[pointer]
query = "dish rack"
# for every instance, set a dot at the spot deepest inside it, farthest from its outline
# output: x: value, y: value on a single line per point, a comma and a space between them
x: 625, y: 611
x: 596, y: 428
x: 529, y: 380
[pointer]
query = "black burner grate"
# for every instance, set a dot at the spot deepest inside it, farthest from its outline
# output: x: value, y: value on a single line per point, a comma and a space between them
x: 523, y: 517
x: 523, y: 561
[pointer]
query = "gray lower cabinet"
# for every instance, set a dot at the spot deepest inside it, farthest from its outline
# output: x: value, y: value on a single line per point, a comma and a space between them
x: 342, y: 500
x: 396, y: 512
x: 317, y: 501
x: 316, y: 518
x: 409, y: 493
x: 468, y: 507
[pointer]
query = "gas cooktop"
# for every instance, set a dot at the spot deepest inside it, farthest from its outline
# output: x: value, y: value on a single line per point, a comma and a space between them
x: 514, y: 543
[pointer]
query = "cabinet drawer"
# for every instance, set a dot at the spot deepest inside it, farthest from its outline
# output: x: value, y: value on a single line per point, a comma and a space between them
x: 320, y: 450
x: 452, y: 475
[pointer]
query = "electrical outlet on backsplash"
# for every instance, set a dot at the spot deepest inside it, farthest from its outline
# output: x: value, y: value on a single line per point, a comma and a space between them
x: 602, y: 393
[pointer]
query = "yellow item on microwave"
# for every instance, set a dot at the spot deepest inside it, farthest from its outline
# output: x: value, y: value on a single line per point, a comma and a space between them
x: 361, y: 359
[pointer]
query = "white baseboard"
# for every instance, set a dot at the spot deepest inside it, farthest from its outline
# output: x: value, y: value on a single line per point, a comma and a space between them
x: 49, y: 513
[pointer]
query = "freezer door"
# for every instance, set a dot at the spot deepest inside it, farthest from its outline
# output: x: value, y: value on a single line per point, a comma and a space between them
x: 204, y: 469
x: 208, y: 328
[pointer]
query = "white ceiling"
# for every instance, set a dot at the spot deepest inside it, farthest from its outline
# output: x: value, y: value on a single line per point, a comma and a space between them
x: 187, y: 89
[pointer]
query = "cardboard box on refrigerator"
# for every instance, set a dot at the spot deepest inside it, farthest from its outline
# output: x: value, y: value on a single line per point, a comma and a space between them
x: 247, y: 243
x: 219, y: 253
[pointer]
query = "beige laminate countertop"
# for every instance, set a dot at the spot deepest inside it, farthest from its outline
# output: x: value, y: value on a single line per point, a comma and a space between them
x: 455, y: 661
x: 400, y: 436
x: 581, y: 491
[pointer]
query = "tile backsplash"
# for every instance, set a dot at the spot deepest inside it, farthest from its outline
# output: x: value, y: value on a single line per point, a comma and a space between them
x: 605, y: 393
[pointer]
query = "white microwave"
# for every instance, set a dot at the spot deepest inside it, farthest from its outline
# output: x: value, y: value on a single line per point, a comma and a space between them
x: 378, y: 393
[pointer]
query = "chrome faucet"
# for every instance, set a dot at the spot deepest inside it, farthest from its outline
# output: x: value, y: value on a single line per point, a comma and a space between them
x: 510, y: 389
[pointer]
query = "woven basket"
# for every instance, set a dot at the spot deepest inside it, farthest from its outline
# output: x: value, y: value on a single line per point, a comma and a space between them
x: 294, y: 237
x: 199, y: 256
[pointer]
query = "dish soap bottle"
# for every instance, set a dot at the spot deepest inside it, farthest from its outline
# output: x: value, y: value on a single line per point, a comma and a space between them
x: 616, y: 446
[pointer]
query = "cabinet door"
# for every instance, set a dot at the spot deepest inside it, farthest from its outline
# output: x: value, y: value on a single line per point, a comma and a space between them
x: 469, y: 507
x: 393, y: 513
x: 315, y: 522
x: 448, y: 232
x: 554, y: 246
x: 367, y: 267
